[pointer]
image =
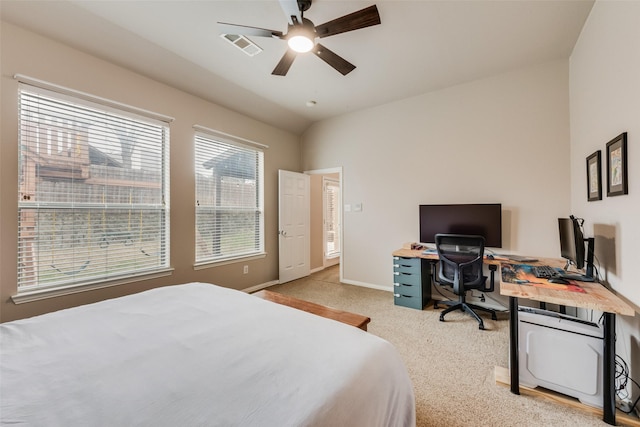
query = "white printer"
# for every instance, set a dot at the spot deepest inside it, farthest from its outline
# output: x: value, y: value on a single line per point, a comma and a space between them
x: 561, y: 353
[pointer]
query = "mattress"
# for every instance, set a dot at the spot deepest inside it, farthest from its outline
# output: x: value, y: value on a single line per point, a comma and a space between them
x: 198, y: 355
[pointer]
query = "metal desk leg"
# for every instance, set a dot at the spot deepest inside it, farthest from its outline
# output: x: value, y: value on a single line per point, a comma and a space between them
x: 514, y: 367
x: 609, y: 369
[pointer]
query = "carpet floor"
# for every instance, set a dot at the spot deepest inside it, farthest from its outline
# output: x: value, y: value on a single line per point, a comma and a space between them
x: 451, y: 363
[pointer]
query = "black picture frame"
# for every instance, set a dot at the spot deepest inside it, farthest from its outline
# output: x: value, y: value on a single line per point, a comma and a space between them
x: 617, y: 183
x: 594, y: 177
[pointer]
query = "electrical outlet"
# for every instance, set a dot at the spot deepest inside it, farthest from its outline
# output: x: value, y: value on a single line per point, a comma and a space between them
x: 245, y: 269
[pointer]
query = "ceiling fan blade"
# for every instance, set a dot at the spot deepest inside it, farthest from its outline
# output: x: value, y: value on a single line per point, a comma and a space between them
x: 354, y: 21
x: 343, y: 66
x: 285, y: 63
x: 290, y: 8
x: 247, y: 31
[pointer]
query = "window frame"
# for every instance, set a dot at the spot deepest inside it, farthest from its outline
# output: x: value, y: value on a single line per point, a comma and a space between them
x: 213, y: 136
x: 35, y: 89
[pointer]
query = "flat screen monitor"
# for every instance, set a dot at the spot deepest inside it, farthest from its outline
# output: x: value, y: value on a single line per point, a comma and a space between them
x: 478, y: 219
x: 571, y: 241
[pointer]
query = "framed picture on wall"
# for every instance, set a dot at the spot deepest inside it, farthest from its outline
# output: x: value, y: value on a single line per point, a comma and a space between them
x: 617, y: 166
x: 594, y: 177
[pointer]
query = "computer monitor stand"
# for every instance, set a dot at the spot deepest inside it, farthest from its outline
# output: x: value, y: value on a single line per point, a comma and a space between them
x: 588, y: 276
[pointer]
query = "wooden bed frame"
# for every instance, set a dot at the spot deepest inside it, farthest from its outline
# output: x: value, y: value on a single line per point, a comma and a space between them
x: 352, y: 319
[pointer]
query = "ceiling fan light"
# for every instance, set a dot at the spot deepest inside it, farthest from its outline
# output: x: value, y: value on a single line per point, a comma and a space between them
x: 300, y: 43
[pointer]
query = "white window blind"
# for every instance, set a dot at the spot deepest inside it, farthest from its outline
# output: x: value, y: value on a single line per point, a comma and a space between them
x: 93, y: 192
x: 229, y: 200
x: 331, y: 217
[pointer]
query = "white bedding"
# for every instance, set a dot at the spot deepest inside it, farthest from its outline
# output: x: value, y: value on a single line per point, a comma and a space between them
x: 198, y: 355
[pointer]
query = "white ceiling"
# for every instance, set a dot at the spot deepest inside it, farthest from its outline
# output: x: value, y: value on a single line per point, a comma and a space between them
x: 420, y: 46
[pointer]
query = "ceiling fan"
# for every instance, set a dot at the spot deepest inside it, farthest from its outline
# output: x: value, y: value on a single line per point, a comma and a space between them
x: 302, y: 34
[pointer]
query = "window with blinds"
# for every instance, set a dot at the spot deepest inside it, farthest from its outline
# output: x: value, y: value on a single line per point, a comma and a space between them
x: 93, y: 192
x: 331, y: 218
x: 229, y: 200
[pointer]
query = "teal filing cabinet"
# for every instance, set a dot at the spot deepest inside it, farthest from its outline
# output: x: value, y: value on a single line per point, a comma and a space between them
x: 411, y: 282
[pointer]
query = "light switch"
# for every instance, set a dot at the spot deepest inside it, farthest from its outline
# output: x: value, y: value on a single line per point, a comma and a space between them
x: 357, y: 207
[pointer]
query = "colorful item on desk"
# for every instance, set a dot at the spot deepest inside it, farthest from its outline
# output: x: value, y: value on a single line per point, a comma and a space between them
x: 522, y: 274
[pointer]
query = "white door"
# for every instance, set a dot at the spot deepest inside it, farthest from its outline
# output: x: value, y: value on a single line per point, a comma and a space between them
x: 294, y: 231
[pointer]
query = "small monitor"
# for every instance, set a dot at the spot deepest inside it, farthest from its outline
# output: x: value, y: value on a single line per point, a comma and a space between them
x: 571, y: 241
x: 479, y: 219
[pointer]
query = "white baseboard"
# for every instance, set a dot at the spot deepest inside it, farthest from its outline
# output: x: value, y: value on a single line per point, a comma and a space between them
x: 471, y: 298
x: 256, y: 288
x: 367, y: 285
x: 260, y: 286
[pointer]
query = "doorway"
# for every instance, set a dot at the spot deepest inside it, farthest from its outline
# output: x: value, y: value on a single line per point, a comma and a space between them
x: 326, y: 218
x: 331, y: 220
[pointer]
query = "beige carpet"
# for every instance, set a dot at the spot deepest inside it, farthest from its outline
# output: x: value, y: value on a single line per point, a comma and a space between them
x: 450, y: 363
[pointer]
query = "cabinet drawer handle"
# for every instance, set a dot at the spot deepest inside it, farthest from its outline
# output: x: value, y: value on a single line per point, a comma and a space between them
x: 397, y: 273
x: 396, y: 265
x: 402, y: 296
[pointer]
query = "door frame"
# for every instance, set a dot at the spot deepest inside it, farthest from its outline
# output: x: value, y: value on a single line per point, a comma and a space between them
x: 339, y: 171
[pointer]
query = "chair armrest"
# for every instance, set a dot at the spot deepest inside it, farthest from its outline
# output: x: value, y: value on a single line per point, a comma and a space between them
x: 492, y: 269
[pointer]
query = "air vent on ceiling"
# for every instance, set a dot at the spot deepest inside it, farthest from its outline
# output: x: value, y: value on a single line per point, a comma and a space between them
x: 242, y: 43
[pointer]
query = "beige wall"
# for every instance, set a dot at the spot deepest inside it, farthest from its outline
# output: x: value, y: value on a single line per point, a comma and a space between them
x: 29, y: 54
x: 502, y: 139
x: 605, y: 101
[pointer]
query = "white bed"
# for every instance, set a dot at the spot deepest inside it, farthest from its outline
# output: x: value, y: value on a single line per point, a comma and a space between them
x: 198, y: 355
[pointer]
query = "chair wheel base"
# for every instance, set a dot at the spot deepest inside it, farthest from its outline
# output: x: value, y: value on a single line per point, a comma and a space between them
x: 468, y: 308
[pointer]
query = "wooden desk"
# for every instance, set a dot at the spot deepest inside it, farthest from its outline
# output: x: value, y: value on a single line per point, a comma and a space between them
x: 410, y: 253
x: 405, y: 252
x: 331, y: 313
x: 595, y: 297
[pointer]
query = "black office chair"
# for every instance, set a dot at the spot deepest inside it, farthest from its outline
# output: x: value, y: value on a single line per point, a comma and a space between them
x: 461, y: 260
